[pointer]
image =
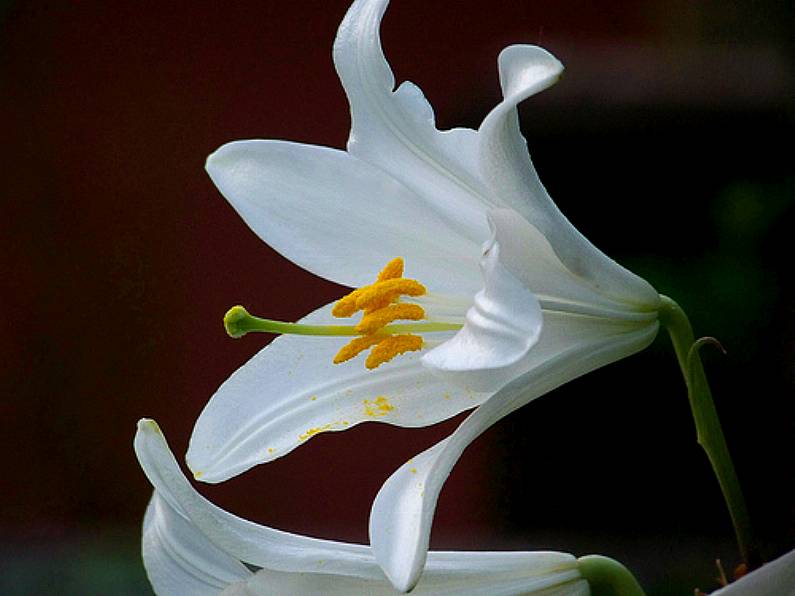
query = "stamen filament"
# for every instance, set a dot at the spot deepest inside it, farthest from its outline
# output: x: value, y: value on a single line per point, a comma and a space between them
x: 238, y: 322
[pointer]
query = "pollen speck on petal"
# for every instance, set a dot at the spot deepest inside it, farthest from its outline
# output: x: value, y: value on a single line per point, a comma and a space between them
x: 314, y: 431
x: 378, y: 407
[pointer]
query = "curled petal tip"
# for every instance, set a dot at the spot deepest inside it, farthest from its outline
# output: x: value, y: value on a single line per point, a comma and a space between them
x: 526, y: 70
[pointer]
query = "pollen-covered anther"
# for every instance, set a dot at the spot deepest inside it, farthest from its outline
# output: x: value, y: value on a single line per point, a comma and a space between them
x: 387, y: 291
x: 354, y: 347
x: 375, y: 320
x: 388, y: 287
x: 346, y: 306
x: 392, y: 346
x: 393, y: 269
x: 380, y: 304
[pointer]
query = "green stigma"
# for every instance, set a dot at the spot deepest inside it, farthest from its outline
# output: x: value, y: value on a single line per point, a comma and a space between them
x: 238, y: 321
x: 235, y: 321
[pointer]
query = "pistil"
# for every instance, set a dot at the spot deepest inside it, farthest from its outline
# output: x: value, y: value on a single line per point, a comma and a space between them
x: 238, y: 322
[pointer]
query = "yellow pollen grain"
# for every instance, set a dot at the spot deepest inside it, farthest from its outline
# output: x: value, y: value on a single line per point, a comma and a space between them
x: 392, y: 346
x: 355, y: 346
x: 270, y: 449
x: 313, y: 398
x: 393, y: 269
x: 387, y: 291
x: 313, y: 431
x: 378, y: 407
x: 413, y: 470
x: 377, y: 319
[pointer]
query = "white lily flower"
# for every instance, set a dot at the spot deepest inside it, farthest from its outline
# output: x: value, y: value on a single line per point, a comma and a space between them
x: 513, y: 303
x: 191, y: 546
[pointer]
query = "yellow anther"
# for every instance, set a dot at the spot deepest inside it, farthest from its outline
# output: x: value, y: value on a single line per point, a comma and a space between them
x: 375, y: 320
x: 379, y: 301
x: 346, y: 306
x: 387, y: 291
x: 393, y: 269
x: 388, y: 287
x: 391, y: 346
x: 355, y: 346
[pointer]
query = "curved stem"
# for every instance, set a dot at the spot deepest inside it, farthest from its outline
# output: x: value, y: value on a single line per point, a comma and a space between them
x: 608, y: 577
x: 708, y: 429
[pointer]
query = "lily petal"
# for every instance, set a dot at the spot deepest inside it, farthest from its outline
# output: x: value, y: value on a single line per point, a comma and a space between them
x: 506, y: 167
x: 776, y: 578
x: 294, y: 564
x: 244, y: 540
x: 395, y: 129
x: 457, y: 581
x: 501, y: 327
x: 341, y: 218
x: 529, y: 255
x: 179, y: 559
x: 291, y: 391
x: 402, y: 513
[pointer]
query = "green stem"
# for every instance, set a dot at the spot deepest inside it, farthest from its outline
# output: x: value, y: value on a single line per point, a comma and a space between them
x: 708, y: 429
x: 608, y: 577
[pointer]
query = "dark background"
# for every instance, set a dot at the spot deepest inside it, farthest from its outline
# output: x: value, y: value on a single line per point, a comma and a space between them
x: 668, y: 142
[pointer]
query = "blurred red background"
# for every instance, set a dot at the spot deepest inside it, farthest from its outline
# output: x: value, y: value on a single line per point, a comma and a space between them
x: 668, y: 142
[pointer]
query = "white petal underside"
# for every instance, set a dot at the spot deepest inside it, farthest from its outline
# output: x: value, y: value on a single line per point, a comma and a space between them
x: 570, y: 346
x: 291, y: 391
x: 294, y: 564
x: 179, y: 559
x: 341, y: 218
x: 506, y: 167
x: 529, y: 255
